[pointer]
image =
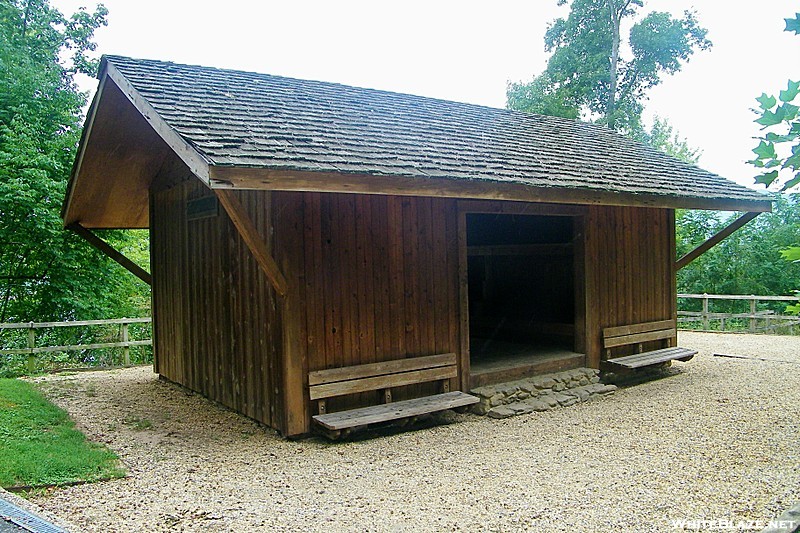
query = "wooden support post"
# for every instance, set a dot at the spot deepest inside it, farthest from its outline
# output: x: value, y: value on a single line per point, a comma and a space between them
x: 249, y: 233
x: 705, y: 312
x: 753, y: 307
x: 126, y: 350
x: 107, y: 249
x: 31, y: 346
x: 714, y: 240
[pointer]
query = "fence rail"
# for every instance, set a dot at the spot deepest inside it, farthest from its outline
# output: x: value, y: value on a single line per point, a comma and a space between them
x: 757, y: 321
x: 31, y: 349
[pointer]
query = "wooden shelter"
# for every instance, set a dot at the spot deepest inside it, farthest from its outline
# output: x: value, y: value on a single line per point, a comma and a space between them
x: 300, y: 226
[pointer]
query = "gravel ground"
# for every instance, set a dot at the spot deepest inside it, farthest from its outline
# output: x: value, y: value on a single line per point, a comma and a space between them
x: 713, y: 439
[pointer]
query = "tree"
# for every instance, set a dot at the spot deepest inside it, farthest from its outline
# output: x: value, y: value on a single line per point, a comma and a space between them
x: 662, y: 137
x: 747, y: 262
x: 778, y: 150
x: 47, y: 273
x: 587, y: 75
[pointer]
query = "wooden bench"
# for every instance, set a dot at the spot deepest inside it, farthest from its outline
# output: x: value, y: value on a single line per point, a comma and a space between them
x: 323, y: 384
x: 638, y: 334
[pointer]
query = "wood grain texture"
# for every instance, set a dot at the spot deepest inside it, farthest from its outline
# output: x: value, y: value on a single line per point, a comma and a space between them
x: 639, y: 328
x: 216, y: 318
x: 635, y: 338
x: 249, y: 233
x: 332, y: 375
x: 395, y: 411
x: 380, y: 276
x: 650, y: 358
x: 341, y: 388
x: 629, y: 272
x: 289, y: 180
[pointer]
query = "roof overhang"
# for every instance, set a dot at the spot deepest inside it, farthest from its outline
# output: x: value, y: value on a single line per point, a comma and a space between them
x: 290, y: 180
x: 124, y: 148
x: 127, y: 146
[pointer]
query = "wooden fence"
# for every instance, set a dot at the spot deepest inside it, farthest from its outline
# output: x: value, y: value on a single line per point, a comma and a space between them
x: 32, y: 350
x: 755, y: 320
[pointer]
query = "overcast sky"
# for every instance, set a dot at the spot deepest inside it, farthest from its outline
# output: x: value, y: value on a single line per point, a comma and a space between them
x: 465, y: 51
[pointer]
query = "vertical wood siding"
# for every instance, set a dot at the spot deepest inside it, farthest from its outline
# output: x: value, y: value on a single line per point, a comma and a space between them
x: 378, y: 276
x: 371, y: 278
x: 216, y: 319
x: 630, y: 255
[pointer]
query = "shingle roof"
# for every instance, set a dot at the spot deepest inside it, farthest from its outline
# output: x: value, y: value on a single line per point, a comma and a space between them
x: 245, y: 119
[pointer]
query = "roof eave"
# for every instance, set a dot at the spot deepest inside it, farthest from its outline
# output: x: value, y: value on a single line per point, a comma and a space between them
x: 226, y: 177
x: 196, y: 163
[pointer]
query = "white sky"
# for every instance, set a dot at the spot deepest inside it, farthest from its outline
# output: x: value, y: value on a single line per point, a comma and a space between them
x: 464, y: 51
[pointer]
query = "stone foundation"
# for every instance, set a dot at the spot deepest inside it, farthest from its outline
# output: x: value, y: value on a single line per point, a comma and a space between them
x: 540, y: 393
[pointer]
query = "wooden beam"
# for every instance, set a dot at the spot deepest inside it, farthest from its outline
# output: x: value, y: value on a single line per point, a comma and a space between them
x: 714, y: 240
x: 107, y: 249
x: 291, y: 180
x: 247, y: 230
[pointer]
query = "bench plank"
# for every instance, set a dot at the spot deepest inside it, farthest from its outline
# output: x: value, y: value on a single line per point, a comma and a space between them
x: 638, y: 328
x: 635, y: 338
x: 331, y: 375
x: 353, y: 386
x: 394, y: 411
x: 652, y: 358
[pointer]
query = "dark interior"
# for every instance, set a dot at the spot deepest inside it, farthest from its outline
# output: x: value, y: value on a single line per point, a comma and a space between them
x: 521, y: 284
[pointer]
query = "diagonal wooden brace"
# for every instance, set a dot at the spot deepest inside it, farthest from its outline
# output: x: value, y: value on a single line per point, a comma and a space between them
x: 249, y: 233
x: 107, y: 249
x: 715, y: 239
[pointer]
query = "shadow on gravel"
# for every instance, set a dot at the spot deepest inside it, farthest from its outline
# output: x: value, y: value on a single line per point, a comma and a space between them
x: 632, y: 378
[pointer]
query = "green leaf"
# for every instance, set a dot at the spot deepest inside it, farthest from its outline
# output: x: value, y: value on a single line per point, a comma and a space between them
x: 793, y: 161
x: 788, y: 185
x: 775, y: 138
x: 771, y: 119
x: 791, y: 254
x: 789, y: 111
x: 766, y: 101
x: 768, y: 178
x: 765, y: 150
x: 793, y: 24
x: 791, y: 92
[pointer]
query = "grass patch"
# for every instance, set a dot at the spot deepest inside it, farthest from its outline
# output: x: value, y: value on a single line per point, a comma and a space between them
x: 39, y: 444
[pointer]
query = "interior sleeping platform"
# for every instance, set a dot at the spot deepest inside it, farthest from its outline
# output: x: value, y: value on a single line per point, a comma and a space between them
x: 522, y: 293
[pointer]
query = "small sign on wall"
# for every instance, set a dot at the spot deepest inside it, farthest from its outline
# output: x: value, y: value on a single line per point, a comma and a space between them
x: 199, y: 208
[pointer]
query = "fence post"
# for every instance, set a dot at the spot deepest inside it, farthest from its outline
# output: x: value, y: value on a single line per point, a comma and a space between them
x: 753, y: 313
x: 126, y: 350
x: 31, y: 346
x: 705, y: 311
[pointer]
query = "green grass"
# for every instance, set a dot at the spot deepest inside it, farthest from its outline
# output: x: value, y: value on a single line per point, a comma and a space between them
x: 39, y: 444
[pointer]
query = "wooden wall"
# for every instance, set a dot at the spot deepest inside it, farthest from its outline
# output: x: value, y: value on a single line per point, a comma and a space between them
x: 376, y: 278
x: 370, y: 278
x: 630, y: 257
x: 216, y: 319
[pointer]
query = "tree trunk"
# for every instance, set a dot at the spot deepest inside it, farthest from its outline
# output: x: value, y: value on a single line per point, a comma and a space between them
x: 616, y: 17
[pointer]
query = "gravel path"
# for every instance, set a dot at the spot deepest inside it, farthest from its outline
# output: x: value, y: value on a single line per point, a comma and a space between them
x: 713, y: 439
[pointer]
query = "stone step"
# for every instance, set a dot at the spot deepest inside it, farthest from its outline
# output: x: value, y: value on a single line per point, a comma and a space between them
x: 547, y: 401
x: 540, y: 393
